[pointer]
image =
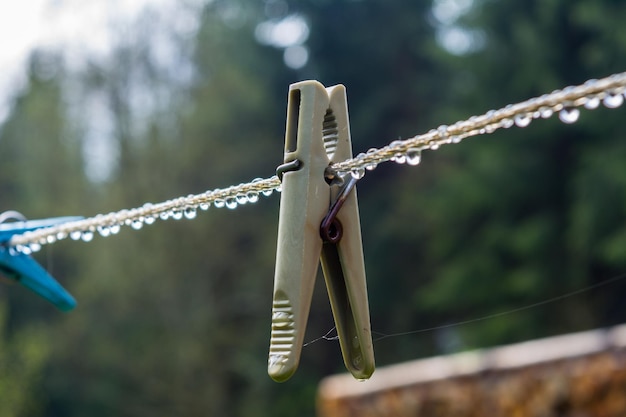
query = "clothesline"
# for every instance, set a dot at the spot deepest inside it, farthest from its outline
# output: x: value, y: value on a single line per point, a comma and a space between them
x: 565, y: 103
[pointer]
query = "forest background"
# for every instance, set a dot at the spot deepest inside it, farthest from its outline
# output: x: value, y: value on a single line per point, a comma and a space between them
x: 174, y: 319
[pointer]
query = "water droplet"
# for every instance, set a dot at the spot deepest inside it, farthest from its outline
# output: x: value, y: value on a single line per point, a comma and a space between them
x: 204, y: 206
x: 371, y: 166
x: 456, y: 139
x: 252, y: 197
x: 592, y: 102
x: 507, y: 123
x: 491, y: 128
x: 61, y: 235
x: 443, y: 131
x: 104, y: 230
x: 279, y: 188
x: 241, y: 199
x: 176, y: 214
x: 522, y: 120
x: 115, y: 229
x: 414, y: 156
x: 231, y: 203
x: 34, y: 247
x: 136, y: 224
x: 434, y: 146
x: 569, y: 115
x: 164, y: 215
x: 545, y: 112
x: 51, y: 239
x: 219, y: 203
x: 361, y: 379
x: 23, y: 249
x: 613, y: 101
x: 190, y: 213
x: 150, y: 219
x: 87, y: 236
x: 75, y: 235
x: 357, y: 173
x: 399, y: 158
x: 267, y: 193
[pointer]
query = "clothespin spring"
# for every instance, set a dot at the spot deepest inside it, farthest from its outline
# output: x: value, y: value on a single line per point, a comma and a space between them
x: 330, y: 229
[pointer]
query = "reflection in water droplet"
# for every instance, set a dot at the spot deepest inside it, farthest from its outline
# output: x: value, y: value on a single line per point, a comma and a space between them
x: 104, y: 230
x: 190, y: 213
x: 231, y: 203
x: 267, y: 193
x: 219, y: 203
x: 252, y: 197
x: 546, y: 112
x: 358, y: 173
x: 176, y: 214
x: 569, y: 115
x: 399, y: 158
x: 241, y: 199
x: 414, y: 156
x: 613, y: 101
x: 522, y: 120
x: 592, y: 102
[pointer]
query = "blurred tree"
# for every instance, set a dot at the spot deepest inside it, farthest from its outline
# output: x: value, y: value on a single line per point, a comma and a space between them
x: 175, y: 319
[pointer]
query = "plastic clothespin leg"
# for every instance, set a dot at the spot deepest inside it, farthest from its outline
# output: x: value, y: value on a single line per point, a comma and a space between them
x: 318, y: 135
x: 25, y: 270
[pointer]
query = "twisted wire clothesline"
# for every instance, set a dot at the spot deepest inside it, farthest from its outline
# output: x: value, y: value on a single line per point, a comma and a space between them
x: 609, y: 91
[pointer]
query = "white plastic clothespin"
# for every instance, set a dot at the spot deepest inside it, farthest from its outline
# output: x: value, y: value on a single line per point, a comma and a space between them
x: 319, y: 221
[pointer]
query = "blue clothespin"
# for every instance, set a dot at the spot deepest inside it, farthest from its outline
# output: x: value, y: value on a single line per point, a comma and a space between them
x: 319, y: 223
x: 25, y: 270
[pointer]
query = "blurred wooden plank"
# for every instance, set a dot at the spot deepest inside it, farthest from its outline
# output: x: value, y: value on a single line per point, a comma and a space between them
x: 575, y: 375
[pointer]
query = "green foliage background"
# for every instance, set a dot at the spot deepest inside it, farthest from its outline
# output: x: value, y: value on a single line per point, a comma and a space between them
x: 175, y: 319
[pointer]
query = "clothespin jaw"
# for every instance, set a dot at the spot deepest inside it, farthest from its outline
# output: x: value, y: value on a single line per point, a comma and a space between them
x: 317, y: 135
x: 25, y: 270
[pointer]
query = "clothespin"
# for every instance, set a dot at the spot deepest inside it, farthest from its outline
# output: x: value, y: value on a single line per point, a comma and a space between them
x: 24, y: 269
x: 318, y: 135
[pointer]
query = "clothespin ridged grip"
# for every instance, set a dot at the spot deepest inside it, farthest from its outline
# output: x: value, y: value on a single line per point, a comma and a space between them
x: 317, y: 135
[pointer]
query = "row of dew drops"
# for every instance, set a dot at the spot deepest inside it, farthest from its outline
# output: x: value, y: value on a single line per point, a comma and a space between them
x: 568, y: 113
x: 396, y: 151
x: 148, y: 214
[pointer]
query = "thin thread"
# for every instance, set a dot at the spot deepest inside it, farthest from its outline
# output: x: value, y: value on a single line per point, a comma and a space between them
x: 324, y: 337
x: 562, y: 102
x: 382, y: 336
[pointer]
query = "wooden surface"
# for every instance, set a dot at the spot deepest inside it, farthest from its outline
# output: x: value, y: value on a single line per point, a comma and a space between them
x: 576, y: 375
